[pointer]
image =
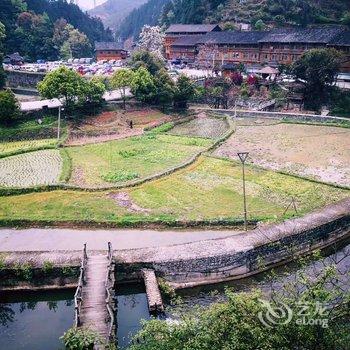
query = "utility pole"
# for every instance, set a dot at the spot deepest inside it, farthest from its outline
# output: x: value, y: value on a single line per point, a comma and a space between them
x: 59, y: 123
x: 243, y: 157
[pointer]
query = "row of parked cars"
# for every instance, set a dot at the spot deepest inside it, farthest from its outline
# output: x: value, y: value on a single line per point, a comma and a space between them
x: 83, y: 66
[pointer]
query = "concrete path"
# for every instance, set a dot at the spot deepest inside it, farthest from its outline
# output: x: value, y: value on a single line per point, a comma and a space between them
x: 69, y: 239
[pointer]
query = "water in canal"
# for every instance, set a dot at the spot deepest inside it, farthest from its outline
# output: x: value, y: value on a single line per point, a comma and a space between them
x: 132, y: 307
x: 35, y: 320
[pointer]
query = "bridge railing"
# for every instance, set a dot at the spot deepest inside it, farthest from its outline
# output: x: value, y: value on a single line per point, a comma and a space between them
x: 109, y: 285
x: 78, y: 300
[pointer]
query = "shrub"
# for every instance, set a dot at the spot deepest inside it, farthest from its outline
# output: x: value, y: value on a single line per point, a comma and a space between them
x: 9, y: 107
x: 68, y: 271
x: 120, y: 176
x: 2, y: 263
x: 162, y: 128
x: 80, y: 339
x: 130, y: 153
x: 24, y: 271
x: 47, y: 267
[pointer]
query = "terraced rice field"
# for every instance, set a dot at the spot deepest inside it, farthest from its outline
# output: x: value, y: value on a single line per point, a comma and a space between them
x: 209, y: 189
x: 31, y: 169
x: 9, y: 148
x: 208, y: 127
x: 317, y: 152
x: 120, y: 161
x: 212, y: 188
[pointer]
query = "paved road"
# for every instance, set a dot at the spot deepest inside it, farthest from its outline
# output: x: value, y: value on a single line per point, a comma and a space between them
x: 27, y: 106
x: 69, y: 239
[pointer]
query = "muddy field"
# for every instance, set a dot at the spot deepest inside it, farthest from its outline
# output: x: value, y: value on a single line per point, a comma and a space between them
x: 114, y: 125
x: 202, y: 126
x: 317, y: 152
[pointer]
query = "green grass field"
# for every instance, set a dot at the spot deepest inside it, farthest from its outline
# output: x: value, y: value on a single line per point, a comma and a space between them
x: 209, y: 189
x: 120, y: 161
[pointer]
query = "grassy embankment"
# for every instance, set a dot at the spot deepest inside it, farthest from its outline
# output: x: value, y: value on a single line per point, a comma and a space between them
x: 29, y: 135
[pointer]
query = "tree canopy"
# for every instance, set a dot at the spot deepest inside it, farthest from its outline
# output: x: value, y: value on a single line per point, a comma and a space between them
x: 72, y: 89
x: 142, y: 86
x: 122, y: 80
x: 9, y: 107
x: 32, y: 27
x: 318, y: 68
x: 144, y: 58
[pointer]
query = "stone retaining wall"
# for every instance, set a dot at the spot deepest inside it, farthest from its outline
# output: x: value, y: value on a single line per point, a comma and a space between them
x: 217, y: 260
x: 243, y: 254
x: 17, y: 79
x: 282, y: 116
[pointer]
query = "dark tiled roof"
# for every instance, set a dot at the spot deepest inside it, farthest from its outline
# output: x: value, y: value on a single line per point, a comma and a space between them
x: 235, y: 37
x: 108, y: 45
x: 331, y: 35
x: 189, y: 40
x: 15, y: 57
x: 192, y: 28
x: 342, y: 39
x: 322, y: 35
x: 220, y: 38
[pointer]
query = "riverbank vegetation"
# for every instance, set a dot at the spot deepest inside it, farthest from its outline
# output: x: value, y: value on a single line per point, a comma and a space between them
x: 304, y: 313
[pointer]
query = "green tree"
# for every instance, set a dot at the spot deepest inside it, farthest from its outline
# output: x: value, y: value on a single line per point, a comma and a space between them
x: 346, y: 18
x: 146, y: 59
x: 92, y: 91
x: 260, y: 25
x: 9, y: 107
x: 2, y: 38
x: 280, y: 20
x: 142, y: 86
x: 340, y: 103
x: 64, y: 84
x: 165, y: 88
x: 66, y: 51
x: 184, y: 91
x: 122, y: 80
x: 79, y: 43
x: 318, y: 68
x: 34, y: 35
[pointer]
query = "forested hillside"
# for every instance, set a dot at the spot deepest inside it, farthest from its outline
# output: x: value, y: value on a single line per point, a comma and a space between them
x: 270, y: 12
x: 260, y: 13
x: 149, y: 13
x: 112, y: 12
x: 41, y: 29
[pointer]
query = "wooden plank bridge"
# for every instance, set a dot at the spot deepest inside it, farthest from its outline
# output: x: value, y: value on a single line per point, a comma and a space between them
x: 94, y: 297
